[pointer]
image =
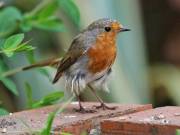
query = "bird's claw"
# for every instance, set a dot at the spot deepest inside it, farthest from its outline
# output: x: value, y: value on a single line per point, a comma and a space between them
x: 83, y: 110
x: 105, y: 107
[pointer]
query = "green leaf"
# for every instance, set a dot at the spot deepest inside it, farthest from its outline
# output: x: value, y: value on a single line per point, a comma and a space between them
x: 49, y: 99
x: 10, y: 85
x: 50, y: 24
x: 2, y: 40
x: 43, y: 19
x: 70, y: 8
x: 3, y: 67
x: 29, y: 95
x: 13, y: 44
x: 47, y: 11
x: 47, y: 129
x: 9, y: 18
x: 177, y: 132
x: 44, y: 71
x: 13, y: 41
x: 30, y: 57
x: 24, y: 47
x: 3, y: 112
x: 8, y: 53
x: 25, y: 25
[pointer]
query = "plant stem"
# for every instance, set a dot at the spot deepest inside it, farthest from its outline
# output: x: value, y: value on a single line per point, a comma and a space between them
x: 50, y: 62
x: 11, y: 72
x: 59, y: 110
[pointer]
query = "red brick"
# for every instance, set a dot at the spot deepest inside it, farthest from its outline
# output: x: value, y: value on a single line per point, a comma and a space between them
x: 159, y: 121
x: 69, y: 121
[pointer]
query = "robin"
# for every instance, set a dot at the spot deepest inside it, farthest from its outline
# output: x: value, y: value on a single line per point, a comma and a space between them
x: 89, y: 59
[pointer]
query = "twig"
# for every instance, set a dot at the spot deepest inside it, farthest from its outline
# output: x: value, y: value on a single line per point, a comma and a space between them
x: 50, y: 62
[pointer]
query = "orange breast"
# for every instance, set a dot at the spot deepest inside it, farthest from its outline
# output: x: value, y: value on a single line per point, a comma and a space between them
x: 103, y: 53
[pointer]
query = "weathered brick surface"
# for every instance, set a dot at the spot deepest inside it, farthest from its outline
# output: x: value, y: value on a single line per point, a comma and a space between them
x: 159, y: 121
x: 68, y: 121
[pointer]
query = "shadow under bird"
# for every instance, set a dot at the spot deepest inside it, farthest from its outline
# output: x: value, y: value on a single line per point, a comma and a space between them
x: 89, y: 59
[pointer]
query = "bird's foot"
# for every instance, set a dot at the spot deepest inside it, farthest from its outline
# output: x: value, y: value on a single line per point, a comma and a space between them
x: 83, y: 110
x: 105, y: 107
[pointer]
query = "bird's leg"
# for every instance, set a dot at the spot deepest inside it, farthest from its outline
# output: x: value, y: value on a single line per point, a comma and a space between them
x: 80, y: 105
x: 102, y: 104
x: 81, y: 108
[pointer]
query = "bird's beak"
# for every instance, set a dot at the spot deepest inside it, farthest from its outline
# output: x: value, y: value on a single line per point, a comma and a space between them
x: 124, y: 29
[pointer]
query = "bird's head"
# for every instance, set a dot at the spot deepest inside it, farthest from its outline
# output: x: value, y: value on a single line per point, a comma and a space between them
x: 107, y: 25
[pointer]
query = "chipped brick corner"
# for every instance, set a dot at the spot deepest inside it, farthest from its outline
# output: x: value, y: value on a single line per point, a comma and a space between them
x: 158, y: 121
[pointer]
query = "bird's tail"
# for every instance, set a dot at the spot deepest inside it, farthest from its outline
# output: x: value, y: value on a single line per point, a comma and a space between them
x: 57, y: 76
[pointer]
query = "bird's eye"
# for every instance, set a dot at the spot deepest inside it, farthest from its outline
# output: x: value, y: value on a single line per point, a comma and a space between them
x: 107, y: 29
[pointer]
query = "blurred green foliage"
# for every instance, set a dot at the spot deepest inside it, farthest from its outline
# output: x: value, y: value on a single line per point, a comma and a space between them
x: 177, y: 132
x: 46, y: 100
x: 6, y: 81
x: 3, y: 111
x: 32, y: 60
x: 12, y: 32
x: 9, y: 25
x: 70, y: 9
x: 44, y: 19
x: 47, y: 129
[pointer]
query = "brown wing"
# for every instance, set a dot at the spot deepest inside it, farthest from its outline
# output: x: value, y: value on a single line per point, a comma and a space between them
x: 76, y: 50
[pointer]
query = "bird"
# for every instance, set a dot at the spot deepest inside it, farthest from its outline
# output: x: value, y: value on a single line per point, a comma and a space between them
x: 89, y: 59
